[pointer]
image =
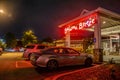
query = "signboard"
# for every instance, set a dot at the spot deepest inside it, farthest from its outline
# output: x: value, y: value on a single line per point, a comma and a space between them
x: 86, y: 22
x: 94, y: 40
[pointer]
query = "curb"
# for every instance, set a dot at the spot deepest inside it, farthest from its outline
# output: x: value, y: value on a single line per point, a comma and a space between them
x: 55, y: 77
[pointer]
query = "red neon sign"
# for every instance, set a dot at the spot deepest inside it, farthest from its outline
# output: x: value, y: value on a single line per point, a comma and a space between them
x: 85, y: 23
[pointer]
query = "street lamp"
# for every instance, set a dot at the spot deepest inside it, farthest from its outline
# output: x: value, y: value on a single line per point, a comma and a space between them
x: 5, y: 17
x: 1, y: 11
x: 4, y: 13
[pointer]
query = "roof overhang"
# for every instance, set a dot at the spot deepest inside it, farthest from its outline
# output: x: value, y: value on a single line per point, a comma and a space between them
x: 110, y: 21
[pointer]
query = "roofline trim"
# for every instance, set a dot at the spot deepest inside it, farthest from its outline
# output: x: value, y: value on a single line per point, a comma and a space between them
x: 98, y: 10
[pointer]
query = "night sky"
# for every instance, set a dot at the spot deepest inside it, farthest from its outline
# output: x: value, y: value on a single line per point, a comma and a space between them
x: 44, y: 16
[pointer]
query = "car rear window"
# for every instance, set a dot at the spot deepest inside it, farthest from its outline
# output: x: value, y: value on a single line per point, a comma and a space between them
x: 30, y: 47
x: 41, y: 47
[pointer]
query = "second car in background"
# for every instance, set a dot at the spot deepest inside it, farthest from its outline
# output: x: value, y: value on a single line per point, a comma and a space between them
x: 33, y: 48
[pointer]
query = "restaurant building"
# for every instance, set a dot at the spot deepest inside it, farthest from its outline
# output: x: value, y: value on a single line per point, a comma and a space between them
x: 100, y: 25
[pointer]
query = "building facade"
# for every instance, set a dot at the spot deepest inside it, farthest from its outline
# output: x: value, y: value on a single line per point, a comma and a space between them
x: 102, y: 25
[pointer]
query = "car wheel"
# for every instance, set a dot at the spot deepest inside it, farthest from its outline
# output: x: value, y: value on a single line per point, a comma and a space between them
x: 88, y: 62
x: 52, y: 65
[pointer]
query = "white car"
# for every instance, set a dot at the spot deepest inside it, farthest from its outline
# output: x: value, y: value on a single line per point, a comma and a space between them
x: 55, y: 57
x: 33, y: 48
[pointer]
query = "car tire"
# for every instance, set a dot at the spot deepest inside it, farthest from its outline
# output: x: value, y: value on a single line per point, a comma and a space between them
x: 52, y: 65
x: 88, y: 62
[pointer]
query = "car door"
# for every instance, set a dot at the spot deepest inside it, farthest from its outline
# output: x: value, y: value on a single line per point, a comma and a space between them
x: 68, y: 57
x: 62, y: 57
x: 72, y: 56
x: 75, y: 57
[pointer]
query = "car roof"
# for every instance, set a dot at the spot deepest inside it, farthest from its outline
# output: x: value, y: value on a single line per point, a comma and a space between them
x: 37, y: 44
x: 61, y: 47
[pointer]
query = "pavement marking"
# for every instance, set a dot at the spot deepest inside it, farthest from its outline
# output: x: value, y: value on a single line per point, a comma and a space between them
x: 16, y: 64
x: 26, y: 62
x: 23, y: 64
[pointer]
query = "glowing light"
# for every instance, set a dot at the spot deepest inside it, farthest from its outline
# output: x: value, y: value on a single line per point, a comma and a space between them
x: 1, y: 11
x: 5, y: 13
x: 71, y: 28
x: 84, y: 23
x: 104, y: 22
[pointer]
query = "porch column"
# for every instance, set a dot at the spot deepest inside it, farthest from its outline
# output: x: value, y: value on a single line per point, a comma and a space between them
x: 98, y: 53
x: 67, y: 39
x: 119, y: 43
x: 111, y: 49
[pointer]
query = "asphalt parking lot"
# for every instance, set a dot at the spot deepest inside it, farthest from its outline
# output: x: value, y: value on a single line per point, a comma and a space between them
x: 14, y: 67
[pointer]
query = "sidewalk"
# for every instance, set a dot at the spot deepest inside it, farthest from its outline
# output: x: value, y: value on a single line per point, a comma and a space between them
x: 116, y: 58
x: 99, y: 72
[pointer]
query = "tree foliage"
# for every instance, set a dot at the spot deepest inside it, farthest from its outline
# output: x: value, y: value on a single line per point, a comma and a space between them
x: 29, y: 37
x: 2, y: 45
x: 47, y: 39
x: 10, y: 40
x: 86, y: 43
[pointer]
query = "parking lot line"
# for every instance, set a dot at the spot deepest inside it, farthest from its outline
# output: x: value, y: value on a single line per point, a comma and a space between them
x: 16, y: 64
x: 23, y: 64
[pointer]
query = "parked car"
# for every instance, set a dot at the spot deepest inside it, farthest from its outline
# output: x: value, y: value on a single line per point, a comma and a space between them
x: 1, y: 50
x: 10, y: 50
x: 55, y: 57
x: 33, y: 48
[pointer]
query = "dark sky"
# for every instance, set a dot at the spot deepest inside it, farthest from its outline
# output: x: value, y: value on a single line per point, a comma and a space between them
x: 44, y: 16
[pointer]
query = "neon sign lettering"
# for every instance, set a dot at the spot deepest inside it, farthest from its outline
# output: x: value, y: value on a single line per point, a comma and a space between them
x: 84, y: 24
